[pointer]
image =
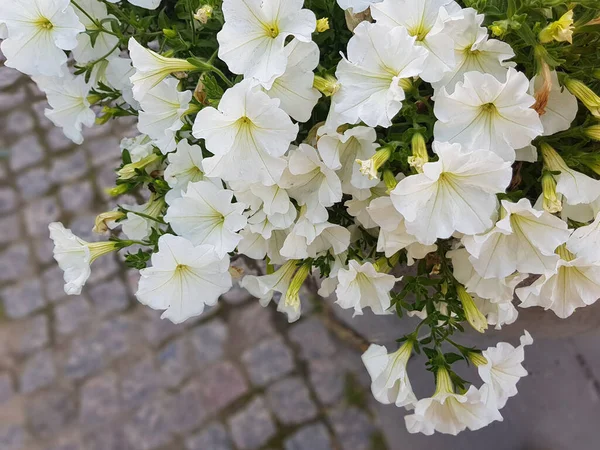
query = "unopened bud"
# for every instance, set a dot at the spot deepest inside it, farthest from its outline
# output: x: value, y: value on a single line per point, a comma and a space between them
x: 204, y: 14
x: 588, y: 97
x: 327, y: 85
x: 390, y: 180
x: 129, y: 170
x: 292, y: 295
x: 593, y: 132
x: 119, y: 189
x: 169, y: 34
x: 94, y: 98
x: 477, y: 359
x: 551, y: 202
x: 102, y: 220
x: 473, y: 315
x: 200, y: 92
x: 499, y: 27
x: 560, y: 30
x: 419, y: 152
x: 322, y: 25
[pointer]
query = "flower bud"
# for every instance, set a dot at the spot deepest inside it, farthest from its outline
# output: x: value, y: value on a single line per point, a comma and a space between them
x: 94, y: 98
x: 327, y: 85
x: 371, y: 166
x: 477, y: 359
x: 200, y: 92
x: 292, y: 296
x: 204, y: 14
x: 551, y: 202
x: 560, y: 30
x: 169, y: 34
x: 499, y: 27
x: 101, y: 222
x: 390, y: 181
x: 588, y: 97
x: 419, y: 152
x: 593, y: 132
x: 322, y: 24
x: 119, y: 189
x: 129, y: 170
x: 473, y: 315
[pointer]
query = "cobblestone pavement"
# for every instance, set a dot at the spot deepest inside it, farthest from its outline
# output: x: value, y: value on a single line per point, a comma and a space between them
x: 101, y: 372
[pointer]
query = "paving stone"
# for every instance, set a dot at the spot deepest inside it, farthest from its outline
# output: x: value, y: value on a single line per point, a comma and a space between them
x: 43, y: 248
x: 313, y: 339
x: 109, y: 296
x: 23, y: 299
x: 252, y: 427
x: 175, y: 361
x: 12, y: 437
x: 208, y: 341
x: 9, y: 99
x: 190, y: 407
x: 99, y: 400
x: 311, y: 437
x: 69, y: 168
x: 267, y: 361
x: 236, y: 295
x: 213, y: 437
x: 8, y: 199
x: 9, y: 77
x: 85, y: 357
x: 251, y: 324
x: 103, y: 268
x: 72, y: 314
x: 118, y: 335
x: 149, y: 427
x: 81, y: 225
x: 10, y: 229
x: 68, y: 444
x: 51, y: 411
x: 56, y: 141
x: 33, y: 183
x: 39, y: 371
x: 327, y: 379
x: 19, y: 122
x: 140, y: 382
x: 290, y: 401
x: 7, y: 390
x: 77, y: 197
x: 25, y: 152
x: 353, y: 428
x: 31, y: 335
x: 104, y: 152
x: 39, y: 213
x: 223, y: 383
x: 105, y: 179
x: 158, y: 330
x: 39, y: 109
x: 110, y: 437
x: 14, y: 262
x: 54, y: 283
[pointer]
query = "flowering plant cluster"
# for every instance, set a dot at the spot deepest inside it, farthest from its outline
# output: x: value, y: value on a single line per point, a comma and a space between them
x: 343, y: 139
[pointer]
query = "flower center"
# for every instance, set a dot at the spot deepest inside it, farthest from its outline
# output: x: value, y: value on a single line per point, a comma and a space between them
x: 44, y: 23
x: 489, y: 108
x: 419, y: 31
x: 272, y: 30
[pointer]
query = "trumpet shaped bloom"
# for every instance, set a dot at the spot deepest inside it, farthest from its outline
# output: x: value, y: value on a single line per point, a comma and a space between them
x: 308, y: 180
x: 183, y: 278
x: 248, y: 136
x: 485, y: 113
x: 74, y: 256
x: 524, y: 240
x: 585, y: 241
x: 307, y: 239
x: 426, y: 21
x: 86, y: 51
x: 504, y: 369
x: 380, y: 60
x: 39, y: 32
x: 455, y: 193
x: 67, y: 96
x: 389, y: 378
x: 575, y: 283
x: 161, y: 116
x: 473, y: 51
x: 205, y: 214
x: 362, y: 286
x: 253, y: 38
x: 294, y: 88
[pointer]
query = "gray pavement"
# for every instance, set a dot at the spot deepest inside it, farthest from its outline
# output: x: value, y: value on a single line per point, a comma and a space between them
x: 101, y: 372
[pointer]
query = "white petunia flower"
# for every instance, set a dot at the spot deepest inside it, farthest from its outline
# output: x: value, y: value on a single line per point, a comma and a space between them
x: 205, y: 214
x: 524, y: 240
x: 561, y: 108
x: 85, y: 51
x: 450, y: 413
x: 497, y: 313
x: 265, y: 286
x: 74, y: 256
x: 455, y: 193
x: 248, y: 135
x: 380, y: 60
x: 310, y: 182
x: 392, y: 233
x: 148, y: 4
x: 139, y: 227
x: 340, y: 152
x: 39, y: 31
x: 294, y: 88
x: 585, y: 241
x: 473, y: 51
x: 389, y: 378
x: 253, y: 37
x: 183, y: 278
x: 574, y: 283
x: 151, y: 68
x: 362, y: 286
x: 307, y: 239
x: 503, y: 369
x: 485, y: 113
x: 425, y: 20
x: 162, y: 110
x: 139, y: 147
x: 67, y: 96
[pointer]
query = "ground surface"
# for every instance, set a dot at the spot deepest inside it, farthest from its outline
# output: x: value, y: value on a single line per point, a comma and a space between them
x: 101, y: 372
